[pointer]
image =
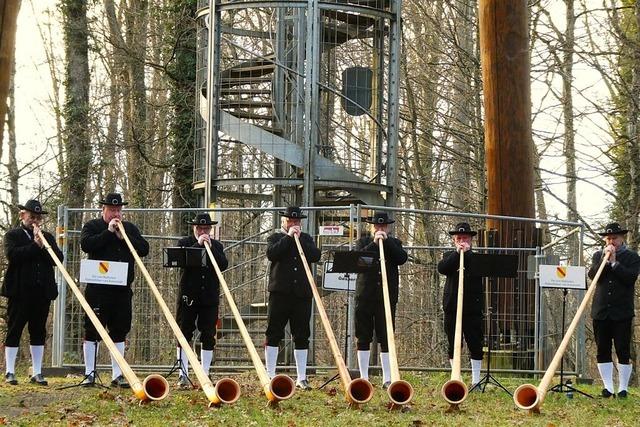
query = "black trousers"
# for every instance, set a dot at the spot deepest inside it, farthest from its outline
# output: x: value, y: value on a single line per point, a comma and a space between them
x: 22, y: 312
x: 112, y: 305
x: 190, y: 315
x: 471, y: 331
x: 285, y: 308
x: 370, y: 319
x: 616, y: 331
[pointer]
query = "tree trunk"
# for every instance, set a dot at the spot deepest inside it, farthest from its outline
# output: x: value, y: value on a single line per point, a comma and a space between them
x: 76, y: 108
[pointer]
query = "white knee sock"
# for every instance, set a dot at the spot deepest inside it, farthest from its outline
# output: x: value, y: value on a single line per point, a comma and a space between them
x: 88, y: 349
x: 37, y: 351
x: 363, y: 363
x: 624, y: 373
x: 270, y: 359
x: 386, y: 367
x: 476, y: 365
x: 606, y: 373
x: 182, y: 356
x: 115, y: 368
x: 451, y: 363
x: 10, y: 354
x: 206, y: 356
x: 301, y: 364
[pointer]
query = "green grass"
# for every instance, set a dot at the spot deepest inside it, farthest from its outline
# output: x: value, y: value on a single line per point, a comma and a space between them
x: 26, y: 404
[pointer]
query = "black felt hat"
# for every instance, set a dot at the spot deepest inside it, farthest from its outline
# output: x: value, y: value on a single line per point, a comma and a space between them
x: 380, y: 218
x: 292, y: 212
x: 462, y: 228
x: 33, y: 206
x: 613, y: 228
x: 202, y: 219
x: 113, y: 199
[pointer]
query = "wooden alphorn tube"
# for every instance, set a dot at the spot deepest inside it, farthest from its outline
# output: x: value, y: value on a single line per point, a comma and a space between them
x: 226, y: 390
x: 530, y: 397
x: 154, y: 386
x: 400, y: 392
x: 357, y: 391
x: 455, y: 390
x: 278, y: 388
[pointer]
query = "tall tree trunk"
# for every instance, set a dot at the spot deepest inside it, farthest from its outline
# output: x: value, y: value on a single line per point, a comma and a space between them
x: 12, y: 161
x: 8, y: 17
x: 76, y: 108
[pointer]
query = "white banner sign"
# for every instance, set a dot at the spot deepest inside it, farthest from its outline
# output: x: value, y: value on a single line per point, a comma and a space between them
x: 562, y: 276
x: 103, y: 272
x: 331, y: 230
x: 338, y: 281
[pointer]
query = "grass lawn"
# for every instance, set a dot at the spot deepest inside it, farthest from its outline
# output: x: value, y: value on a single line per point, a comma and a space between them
x: 26, y: 404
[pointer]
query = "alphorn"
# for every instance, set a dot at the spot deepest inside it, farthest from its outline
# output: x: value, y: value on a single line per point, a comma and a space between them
x: 455, y: 390
x: 400, y: 392
x: 358, y: 391
x: 530, y: 397
x: 226, y: 390
x: 280, y: 387
x: 154, y: 386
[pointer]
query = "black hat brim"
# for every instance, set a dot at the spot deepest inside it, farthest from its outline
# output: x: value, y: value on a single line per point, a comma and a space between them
x: 24, y: 208
x: 201, y: 223
x: 613, y: 234
x: 104, y: 202
x: 470, y: 233
x: 389, y: 221
x: 282, y: 213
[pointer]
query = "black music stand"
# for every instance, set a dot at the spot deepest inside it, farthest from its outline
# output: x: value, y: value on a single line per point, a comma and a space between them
x: 182, y: 257
x: 351, y: 262
x: 97, y: 381
x: 562, y: 386
x: 491, y: 266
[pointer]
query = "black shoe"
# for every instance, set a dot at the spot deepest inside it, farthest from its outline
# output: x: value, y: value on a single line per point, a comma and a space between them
x: 622, y: 394
x: 183, y: 383
x: 607, y: 394
x: 88, y: 381
x: 39, y: 379
x: 386, y: 385
x: 10, y: 378
x: 303, y: 385
x: 120, y: 381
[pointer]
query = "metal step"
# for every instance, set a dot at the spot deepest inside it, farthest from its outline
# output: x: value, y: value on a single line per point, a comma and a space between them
x: 245, y: 91
x: 228, y: 82
x: 244, y: 103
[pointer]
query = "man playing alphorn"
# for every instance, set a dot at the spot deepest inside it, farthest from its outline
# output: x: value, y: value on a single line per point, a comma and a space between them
x: 101, y: 240
x: 473, y: 300
x: 199, y: 296
x: 612, y: 309
x: 289, y: 293
x: 370, y: 315
x: 29, y: 285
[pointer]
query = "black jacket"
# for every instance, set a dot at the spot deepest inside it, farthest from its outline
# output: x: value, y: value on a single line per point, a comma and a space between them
x: 30, y: 270
x: 201, y: 284
x: 614, y: 292
x: 473, y: 298
x: 286, y: 272
x: 369, y: 285
x: 101, y: 244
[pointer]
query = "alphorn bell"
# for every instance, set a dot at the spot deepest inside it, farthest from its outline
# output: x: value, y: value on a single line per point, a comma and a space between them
x: 455, y: 390
x: 530, y: 397
x: 226, y: 390
x: 358, y: 391
x: 400, y: 392
x: 154, y: 386
x: 278, y: 388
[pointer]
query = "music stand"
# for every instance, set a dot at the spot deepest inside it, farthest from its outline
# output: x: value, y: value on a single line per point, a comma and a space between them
x: 562, y: 386
x: 182, y: 257
x: 97, y: 381
x: 491, y: 266
x: 348, y: 262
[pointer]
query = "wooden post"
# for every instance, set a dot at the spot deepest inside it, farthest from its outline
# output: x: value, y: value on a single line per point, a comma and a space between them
x: 8, y: 23
x: 504, y: 51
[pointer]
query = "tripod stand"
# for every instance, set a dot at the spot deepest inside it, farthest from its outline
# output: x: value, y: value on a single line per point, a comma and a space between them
x: 97, y: 381
x: 178, y: 366
x: 488, y: 378
x: 562, y: 386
